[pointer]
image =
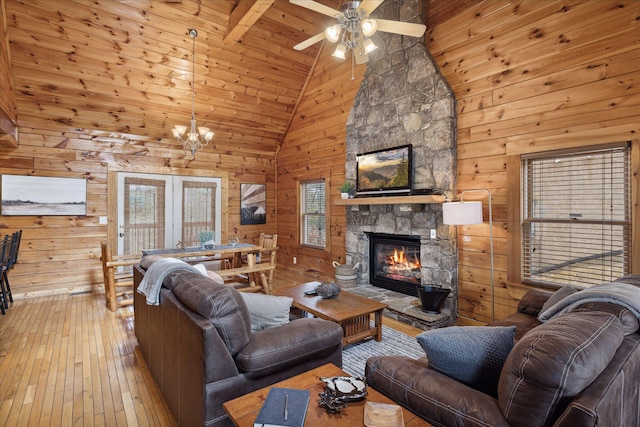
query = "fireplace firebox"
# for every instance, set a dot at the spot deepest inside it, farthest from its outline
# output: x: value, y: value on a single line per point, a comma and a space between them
x: 394, y: 262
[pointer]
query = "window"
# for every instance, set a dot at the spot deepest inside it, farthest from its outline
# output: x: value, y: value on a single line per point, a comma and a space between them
x: 576, y: 216
x: 313, y: 214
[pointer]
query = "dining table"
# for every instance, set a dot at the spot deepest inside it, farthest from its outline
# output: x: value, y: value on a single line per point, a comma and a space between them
x: 192, y: 254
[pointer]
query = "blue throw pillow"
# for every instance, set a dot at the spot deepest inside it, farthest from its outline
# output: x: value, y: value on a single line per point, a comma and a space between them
x: 473, y: 355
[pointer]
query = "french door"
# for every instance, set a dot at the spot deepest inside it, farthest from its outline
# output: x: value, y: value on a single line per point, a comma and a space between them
x: 159, y: 211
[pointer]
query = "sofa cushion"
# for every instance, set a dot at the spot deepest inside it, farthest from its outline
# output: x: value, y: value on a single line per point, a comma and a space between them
x: 629, y: 321
x: 473, y: 355
x: 221, y: 305
x: 267, y: 311
x: 277, y: 349
x: 555, y: 362
x: 558, y: 296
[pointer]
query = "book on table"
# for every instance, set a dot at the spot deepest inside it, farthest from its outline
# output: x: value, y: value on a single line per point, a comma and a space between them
x: 283, y: 407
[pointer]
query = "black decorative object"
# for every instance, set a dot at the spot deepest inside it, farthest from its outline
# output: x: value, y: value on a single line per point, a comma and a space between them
x: 432, y: 298
x: 328, y: 290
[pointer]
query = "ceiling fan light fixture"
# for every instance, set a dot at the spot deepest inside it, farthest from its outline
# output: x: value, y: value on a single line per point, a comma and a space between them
x: 340, y: 51
x: 369, y: 46
x: 369, y: 27
x: 332, y: 33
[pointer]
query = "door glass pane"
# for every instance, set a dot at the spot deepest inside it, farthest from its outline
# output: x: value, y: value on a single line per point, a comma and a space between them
x: 144, y: 214
x: 198, y: 210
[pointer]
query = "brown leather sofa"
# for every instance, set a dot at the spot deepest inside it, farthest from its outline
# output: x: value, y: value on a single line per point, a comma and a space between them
x: 543, y: 382
x: 201, y: 352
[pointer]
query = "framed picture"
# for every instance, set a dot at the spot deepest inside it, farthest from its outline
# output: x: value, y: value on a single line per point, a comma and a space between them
x: 41, y: 195
x: 253, y: 204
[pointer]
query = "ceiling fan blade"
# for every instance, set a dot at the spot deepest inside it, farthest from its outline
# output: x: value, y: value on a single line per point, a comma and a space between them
x: 370, y: 5
x: 360, y: 55
x: 317, y: 7
x: 404, y: 28
x: 310, y: 41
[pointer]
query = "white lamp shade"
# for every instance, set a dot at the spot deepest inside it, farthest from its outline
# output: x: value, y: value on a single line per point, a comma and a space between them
x: 180, y: 130
x: 340, y: 51
x: 369, y: 27
x: 332, y: 33
x: 462, y: 213
x: 369, y: 46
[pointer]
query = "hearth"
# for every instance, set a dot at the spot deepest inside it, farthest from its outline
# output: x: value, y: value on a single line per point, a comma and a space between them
x: 395, y: 262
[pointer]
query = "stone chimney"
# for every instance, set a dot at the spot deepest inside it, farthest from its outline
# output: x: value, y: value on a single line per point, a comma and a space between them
x: 403, y: 99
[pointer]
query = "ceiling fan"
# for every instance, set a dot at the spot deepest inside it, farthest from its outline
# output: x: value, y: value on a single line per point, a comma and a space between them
x: 354, y: 27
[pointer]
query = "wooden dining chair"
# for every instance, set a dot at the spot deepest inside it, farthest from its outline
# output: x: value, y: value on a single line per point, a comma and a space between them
x: 269, y: 245
x: 118, y: 286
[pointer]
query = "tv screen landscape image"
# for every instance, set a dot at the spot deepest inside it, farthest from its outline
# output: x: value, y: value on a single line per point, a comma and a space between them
x: 384, y: 171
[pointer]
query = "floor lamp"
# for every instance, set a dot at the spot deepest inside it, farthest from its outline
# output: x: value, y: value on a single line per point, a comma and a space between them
x: 463, y: 213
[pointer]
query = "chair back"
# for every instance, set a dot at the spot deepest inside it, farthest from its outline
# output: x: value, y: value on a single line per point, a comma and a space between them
x: 268, y: 241
x: 5, y: 251
x: 15, y: 247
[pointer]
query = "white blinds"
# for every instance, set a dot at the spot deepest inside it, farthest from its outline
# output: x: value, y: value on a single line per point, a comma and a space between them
x: 313, y: 220
x: 576, y: 217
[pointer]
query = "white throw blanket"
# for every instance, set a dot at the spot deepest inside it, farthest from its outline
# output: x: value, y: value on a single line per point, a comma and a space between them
x: 155, y: 275
x: 622, y: 294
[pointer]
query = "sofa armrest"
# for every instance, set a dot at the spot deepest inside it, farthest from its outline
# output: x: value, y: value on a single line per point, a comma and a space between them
x: 276, y: 349
x: 531, y: 303
x: 433, y: 396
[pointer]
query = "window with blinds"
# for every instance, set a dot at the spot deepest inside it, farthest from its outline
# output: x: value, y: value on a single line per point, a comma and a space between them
x: 312, y: 214
x: 576, y: 225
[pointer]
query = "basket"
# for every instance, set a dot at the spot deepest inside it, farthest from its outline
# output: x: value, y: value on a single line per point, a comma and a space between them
x: 346, y: 275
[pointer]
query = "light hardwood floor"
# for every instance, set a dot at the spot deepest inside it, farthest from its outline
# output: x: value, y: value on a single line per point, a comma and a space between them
x: 67, y: 360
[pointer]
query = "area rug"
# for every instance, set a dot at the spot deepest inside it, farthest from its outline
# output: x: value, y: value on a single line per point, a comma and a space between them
x: 394, y: 343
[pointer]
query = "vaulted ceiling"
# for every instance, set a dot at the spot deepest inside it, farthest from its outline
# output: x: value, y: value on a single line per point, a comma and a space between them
x: 125, y: 65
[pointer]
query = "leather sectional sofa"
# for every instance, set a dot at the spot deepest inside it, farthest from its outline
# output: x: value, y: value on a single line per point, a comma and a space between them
x: 579, y: 368
x: 201, y: 352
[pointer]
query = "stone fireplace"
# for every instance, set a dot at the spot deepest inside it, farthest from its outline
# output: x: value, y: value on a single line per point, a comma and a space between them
x: 394, y: 262
x: 403, y: 99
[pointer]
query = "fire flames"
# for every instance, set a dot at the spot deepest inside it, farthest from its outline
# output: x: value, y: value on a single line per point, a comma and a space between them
x: 399, y: 262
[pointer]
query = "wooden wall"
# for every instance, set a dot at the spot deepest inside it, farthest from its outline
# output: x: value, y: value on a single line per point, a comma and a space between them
x: 61, y: 253
x: 315, y: 148
x: 530, y: 76
x: 8, y: 113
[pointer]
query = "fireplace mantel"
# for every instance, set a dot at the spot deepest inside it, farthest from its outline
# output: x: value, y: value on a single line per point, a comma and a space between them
x: 390, y: 200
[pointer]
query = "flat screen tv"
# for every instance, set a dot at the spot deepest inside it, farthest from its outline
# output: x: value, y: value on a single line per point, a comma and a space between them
x: 383, y: 172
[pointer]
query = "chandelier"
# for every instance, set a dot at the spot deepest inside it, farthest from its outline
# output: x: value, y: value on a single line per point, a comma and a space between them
x: 193, y: 140
x: 353, y: 32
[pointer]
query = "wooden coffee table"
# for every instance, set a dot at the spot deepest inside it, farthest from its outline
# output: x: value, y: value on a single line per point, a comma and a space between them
x: 350, y: 311
x: 244, y: 410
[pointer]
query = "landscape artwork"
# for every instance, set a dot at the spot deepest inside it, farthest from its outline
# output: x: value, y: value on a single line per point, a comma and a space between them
x: 39, y: 195
x: 253, y: 204
x: 384, y: 170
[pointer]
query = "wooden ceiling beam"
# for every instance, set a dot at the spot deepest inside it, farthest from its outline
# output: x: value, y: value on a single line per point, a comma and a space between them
x: 243, y: 17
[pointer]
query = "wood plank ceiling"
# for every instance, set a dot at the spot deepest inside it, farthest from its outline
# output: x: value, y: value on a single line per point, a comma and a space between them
x: 125, y: 66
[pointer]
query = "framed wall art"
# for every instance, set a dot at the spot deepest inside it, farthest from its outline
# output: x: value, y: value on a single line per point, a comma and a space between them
x: 253, y: 204
x: 41, y: 195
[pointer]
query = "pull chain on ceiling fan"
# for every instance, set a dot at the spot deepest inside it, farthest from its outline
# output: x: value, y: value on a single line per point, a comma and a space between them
x: 354, y: 27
